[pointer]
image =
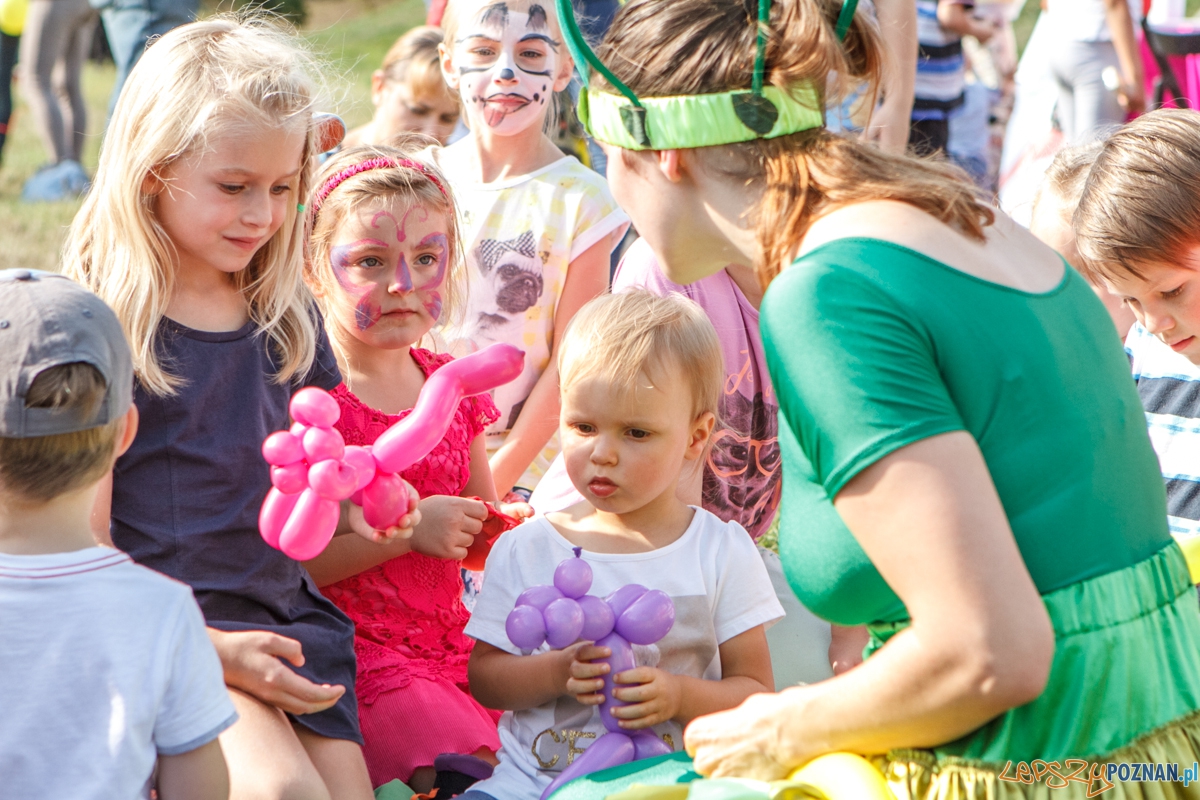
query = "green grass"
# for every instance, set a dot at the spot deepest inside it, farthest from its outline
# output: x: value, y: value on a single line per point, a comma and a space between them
x: 31, y: 234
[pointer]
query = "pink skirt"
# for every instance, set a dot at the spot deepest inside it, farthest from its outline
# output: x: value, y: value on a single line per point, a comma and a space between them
x: 407, y: 728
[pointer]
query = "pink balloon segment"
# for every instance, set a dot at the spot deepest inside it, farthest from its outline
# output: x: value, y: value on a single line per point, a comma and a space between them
x: 312, y: 469
x: 561, y: 615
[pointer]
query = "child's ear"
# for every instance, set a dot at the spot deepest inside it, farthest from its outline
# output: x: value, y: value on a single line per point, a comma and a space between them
x: 566, y: 69
x: 152, y: 184
x: 702, y: 428
x: 378, y: 79
x: 449, y: 73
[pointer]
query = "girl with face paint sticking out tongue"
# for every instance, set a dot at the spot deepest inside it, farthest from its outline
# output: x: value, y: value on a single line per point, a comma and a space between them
x: 538, y: 226
x: 385, y: 265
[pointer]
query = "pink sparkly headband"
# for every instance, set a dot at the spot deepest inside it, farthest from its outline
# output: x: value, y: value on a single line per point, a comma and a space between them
x: 365, y: 166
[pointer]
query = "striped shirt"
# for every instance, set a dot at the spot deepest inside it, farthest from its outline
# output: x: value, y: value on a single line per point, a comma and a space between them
x: 1169, y: 385
x: 940, y: 65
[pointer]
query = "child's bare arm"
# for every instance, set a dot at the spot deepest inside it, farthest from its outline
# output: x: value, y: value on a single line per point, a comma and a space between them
x: 198, y: 774
x: 957, y: 18
x: 480, y: 483
x: 587, y: 276
x: 659, y: 696
x: 512, y: 683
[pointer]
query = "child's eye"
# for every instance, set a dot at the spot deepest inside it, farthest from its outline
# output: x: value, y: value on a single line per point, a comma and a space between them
x: 426, y: 260
x: 281, y: 190
x: 419, y: 111
x: 231, y: 188
x: 482, y: 52
x: 583, y: 427
x: 531, y: 54
x: 370, y: 261
x: 1173, y: 293
x: 449, y: 119
x: 638, y: 433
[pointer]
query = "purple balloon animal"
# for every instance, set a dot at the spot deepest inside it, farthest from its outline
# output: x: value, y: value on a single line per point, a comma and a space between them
x: 564, y: 613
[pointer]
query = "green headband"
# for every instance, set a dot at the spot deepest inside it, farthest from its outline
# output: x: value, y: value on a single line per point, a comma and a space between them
x: 667, y: 123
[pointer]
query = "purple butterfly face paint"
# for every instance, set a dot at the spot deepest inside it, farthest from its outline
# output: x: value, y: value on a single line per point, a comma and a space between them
x: 341, y: 258
x: 390, y: 266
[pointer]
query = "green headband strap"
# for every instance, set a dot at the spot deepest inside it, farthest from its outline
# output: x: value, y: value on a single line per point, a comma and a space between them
x: 666, y: 123
x: 702, y: 120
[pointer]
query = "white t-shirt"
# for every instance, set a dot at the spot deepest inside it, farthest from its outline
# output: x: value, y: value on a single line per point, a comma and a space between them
x: 1084, y: 20
x: 104, y: 666
x: 720, y: 588
x: 520, y: 235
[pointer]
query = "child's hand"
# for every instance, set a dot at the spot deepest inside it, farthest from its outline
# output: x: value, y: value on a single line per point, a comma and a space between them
x: 585, y: 677
x: 251, y: 662
x: 656, y: 697
x: 402, y: 530
x: 520, y: 510
x: 448, y: 526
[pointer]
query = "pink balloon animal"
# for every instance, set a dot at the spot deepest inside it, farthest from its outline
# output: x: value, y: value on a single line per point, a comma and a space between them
x: 564, y: 613
x: 312, y: 469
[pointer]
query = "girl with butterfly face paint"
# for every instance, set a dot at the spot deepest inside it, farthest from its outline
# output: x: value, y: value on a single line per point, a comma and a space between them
x: 538, y: 227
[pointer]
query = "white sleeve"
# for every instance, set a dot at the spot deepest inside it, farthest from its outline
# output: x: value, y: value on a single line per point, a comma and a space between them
x: 195, y: 704
x: 745, y: 597
x: 502, y: 582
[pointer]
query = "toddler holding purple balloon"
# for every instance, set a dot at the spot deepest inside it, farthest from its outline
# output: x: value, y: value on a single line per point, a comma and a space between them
x: 640, y: 378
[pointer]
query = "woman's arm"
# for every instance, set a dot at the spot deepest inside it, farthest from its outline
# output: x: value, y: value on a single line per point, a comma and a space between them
x: 980, y: 643
x: 587, y: 276
x: 889, y: 123
x: 1133, y: 79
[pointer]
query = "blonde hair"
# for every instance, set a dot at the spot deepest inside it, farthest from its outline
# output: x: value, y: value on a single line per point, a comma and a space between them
x: 196, y: 80
x: 414, y: 60
x: 398, y: 183
x: 1067, y: 173
x: 616, y: 337
x: 40, y: 468
x: 1141, y: 201
x: 664, y: 48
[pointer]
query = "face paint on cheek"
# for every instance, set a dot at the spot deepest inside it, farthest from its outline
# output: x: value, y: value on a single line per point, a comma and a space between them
x: 366, y: 312
x: 433, y: 298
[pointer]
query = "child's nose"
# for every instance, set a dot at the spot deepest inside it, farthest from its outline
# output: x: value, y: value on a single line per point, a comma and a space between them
x: 1157, y: 320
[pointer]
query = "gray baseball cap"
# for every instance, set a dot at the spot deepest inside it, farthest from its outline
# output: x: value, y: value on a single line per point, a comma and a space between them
x: 47, y: 320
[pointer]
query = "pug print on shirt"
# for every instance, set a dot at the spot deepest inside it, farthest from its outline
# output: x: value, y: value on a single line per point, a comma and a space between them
x: 520, y: 236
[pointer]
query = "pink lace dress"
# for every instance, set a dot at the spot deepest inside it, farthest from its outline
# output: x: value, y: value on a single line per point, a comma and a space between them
x: 413, y: 699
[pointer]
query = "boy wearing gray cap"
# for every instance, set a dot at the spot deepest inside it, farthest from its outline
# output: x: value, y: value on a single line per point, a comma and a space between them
x: 106, y: 670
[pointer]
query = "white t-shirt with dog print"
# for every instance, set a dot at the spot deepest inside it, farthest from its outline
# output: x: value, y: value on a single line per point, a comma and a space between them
x: 520, y: 236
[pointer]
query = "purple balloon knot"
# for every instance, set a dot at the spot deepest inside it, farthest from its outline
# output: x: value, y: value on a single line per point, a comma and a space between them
x: 578, y: 552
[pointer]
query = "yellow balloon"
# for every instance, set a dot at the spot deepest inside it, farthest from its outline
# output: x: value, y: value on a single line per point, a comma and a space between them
x: 844, y: 776
x: 1191, y: 551
x: 12, y: 16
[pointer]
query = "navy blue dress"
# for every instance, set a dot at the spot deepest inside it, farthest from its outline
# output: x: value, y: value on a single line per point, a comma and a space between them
x: 187, y: 494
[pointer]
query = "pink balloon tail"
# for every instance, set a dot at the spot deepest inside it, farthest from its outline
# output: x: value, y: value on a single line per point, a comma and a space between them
x: 412, y: 438
x: 276, y: 509
x: 309, y: 527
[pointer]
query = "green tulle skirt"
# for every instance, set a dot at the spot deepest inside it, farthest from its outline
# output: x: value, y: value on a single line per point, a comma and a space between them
x: 1124, y: 688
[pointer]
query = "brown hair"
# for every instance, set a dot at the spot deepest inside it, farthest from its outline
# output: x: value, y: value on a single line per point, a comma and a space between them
x: 399, y: 183
x: 615, y: 337
x: 680, y: 47
x: 1141, y: 201
x: 413, y: 59
x: 40, y: 468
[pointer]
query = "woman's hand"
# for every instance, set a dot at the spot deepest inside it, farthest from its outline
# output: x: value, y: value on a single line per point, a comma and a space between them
x: 403, y: 529
x: 740, y: 742
x: 251, y: 661
x: 656, y: 697
x: 448, y: 526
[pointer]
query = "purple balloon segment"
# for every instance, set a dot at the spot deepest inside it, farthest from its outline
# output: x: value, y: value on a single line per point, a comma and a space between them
x: 538, y: 596
x: 647, y: 745
x: 623, y: 598
x: 648, y: 619
x: 610, y: 750
x: 598, y: 618
x: 573, y: 577
x: 564, y: 622
x: 620, y: 660
x: 526, y: 627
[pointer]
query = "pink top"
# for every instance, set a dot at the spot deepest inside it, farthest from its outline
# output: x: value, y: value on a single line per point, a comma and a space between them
x: 408, y: 612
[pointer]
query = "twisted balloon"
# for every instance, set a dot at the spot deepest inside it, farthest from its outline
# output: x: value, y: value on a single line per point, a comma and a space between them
x: 565, y: 613
x: 312, y: 469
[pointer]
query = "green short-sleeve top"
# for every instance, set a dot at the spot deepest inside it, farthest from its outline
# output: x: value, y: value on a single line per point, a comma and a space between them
x: 872, y: 346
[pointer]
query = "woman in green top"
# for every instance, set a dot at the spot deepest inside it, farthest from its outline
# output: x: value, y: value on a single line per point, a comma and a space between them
x: 967, y: 468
